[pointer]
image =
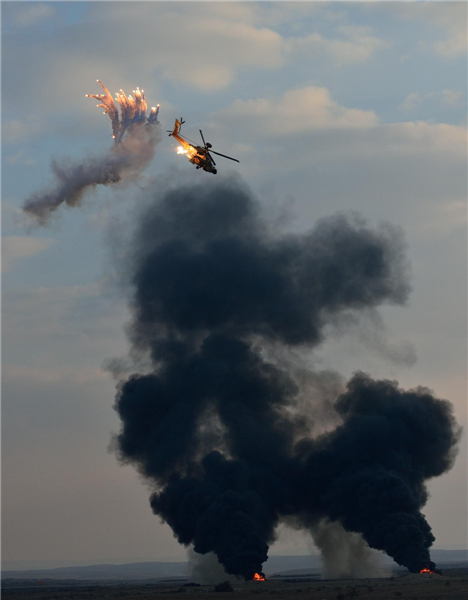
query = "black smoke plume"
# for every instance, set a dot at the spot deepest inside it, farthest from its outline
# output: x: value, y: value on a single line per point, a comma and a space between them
x: 220, y: 424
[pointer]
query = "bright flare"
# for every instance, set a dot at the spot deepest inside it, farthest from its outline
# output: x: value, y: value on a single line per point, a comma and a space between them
x: 133, y: 110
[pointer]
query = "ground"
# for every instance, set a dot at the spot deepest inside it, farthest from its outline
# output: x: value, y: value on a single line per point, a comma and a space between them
x: 453, y: 585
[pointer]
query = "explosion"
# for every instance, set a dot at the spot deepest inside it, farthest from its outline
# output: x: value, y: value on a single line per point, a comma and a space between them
x: 259, y: 577
x: 135, y: 136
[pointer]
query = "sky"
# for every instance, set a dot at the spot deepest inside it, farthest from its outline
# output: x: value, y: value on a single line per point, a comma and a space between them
x: 335, y: 107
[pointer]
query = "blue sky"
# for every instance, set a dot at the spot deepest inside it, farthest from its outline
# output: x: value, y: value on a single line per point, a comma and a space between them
x: 329, y: 107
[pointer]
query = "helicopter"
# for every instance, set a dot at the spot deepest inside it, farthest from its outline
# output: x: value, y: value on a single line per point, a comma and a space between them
x: 198, y: 155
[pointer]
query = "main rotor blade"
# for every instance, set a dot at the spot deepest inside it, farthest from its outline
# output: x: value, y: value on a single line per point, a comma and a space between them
x: 188, y: 139
x: 224, y: 156
x: 204, y: 143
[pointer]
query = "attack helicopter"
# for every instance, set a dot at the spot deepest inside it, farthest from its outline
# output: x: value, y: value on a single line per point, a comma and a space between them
x: 200, y: 156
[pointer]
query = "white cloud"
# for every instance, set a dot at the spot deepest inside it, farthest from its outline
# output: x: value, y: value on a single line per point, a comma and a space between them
x: 448, y: 18
x: 424, y: 138
x: 62, y: 325
x: 455, y: 44
x: 198, y: 45
x: 14, y: 247
x: 411, y: 101
x: 450, y: 217
x: 15, y: 131
x: 203, y: 46
x: 353, y: 44
x: 126, y: 44
x: 312, y: 109
x: 303, y: 109
x: 20, y: 159
x: 62, y: 374
x: 318, y: 144
x: 29, y: 15
x: 451, y: 98
x: 237, y: 45
x: 14, y: 217
x: 293, y: 14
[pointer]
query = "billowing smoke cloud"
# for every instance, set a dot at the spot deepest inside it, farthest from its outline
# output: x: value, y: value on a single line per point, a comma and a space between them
x: 345, y: 555
x: 224, y: 428
x: 135, y: 139
x: 205, y: 568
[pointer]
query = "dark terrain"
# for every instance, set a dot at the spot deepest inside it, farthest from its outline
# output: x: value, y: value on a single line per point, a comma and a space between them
x: 453, y: 585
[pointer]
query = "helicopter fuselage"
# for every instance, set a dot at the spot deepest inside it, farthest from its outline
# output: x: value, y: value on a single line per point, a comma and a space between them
x: 197, y: 155
x: 200, y: 156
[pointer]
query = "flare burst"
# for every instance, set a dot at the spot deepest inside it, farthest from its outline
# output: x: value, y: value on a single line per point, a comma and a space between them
x: 133, y: 110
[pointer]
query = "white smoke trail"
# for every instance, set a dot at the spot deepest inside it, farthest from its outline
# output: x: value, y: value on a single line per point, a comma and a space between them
x: 136, y: 137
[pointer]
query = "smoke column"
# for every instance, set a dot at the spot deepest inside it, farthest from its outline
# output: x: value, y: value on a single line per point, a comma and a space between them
x: 135, y: 139
x: 205, y: 568
x: 222, y: 425
x: 346, y: 555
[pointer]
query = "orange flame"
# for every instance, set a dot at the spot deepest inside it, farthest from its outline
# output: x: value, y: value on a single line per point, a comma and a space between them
x: 259, y: 577
x: 189, y: 151
x: 426, y: 570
